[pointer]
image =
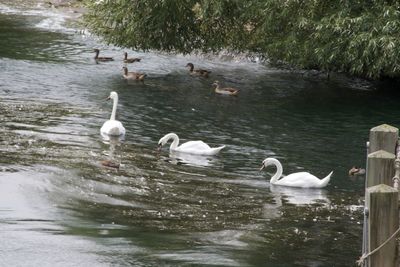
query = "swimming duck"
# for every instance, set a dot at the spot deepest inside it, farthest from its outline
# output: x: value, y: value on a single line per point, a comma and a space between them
x: 190, y: 147
x: 110, y: 164
x: 198, y: 72
x: 131, y: 59
x: 298, y: 179
x: 226, y: 90
x: 97, y: 58
x: 113, y: 127
x: 133, y: 75
x: 355, y: 171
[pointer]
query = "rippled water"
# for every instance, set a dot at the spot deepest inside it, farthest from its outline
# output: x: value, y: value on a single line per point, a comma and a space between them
x: 60, y: 207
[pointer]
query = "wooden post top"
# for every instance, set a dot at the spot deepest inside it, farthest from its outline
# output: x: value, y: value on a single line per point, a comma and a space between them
x: 385, y: 128
x: 381, y: 188
x: 383, y: 137
x: 383, y: 154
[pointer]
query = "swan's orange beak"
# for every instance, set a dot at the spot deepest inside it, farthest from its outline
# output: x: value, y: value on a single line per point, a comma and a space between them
x: 108, y: 98
x: 262, y: 167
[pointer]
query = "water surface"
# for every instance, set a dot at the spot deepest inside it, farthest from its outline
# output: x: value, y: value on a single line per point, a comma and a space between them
x: 60, y: 207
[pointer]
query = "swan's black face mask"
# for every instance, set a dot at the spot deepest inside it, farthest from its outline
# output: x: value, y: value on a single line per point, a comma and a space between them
x: 159, y: 147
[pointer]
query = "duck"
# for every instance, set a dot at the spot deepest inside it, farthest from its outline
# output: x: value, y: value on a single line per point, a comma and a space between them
x: 131, y: 60
x: 197, y: 72
x: 97, y: 58
x: 110, y: 164
x: 133, y: 75
x: 113, y: 127
x: 355, y: 171
x: 190, y: 147
x: 298, y: 179
x: 225, y: 90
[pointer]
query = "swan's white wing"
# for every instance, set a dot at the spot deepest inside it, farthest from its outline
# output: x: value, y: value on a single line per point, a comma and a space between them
x: 112, y: 127
x: 199, y: 148
x: 194, y: 146
x: 299, y: 179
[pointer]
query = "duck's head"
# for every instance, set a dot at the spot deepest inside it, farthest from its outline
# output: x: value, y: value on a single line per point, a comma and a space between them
x: 189, y: 65
x: 356, y: 171
x: 112, y: 95
x: 96, y: 50
x: 215, y: 83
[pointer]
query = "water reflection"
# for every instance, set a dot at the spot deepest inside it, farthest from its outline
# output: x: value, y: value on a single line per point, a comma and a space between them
x: 193, y: 160
x: 113, y: 142
x: 299, y: 196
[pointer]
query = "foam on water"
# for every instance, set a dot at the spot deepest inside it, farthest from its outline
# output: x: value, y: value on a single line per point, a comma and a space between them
x: 53, y: 19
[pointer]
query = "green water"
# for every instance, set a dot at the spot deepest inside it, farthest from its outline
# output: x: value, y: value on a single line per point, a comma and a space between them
x: 60, y: 207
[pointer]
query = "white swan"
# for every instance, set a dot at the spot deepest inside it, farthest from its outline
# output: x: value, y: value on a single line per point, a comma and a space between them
x: 191, y: 147
x: 113, y: 127
x: 298, y: 179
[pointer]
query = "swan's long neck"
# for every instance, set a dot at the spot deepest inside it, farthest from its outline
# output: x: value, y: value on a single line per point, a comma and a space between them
x: 175, y: 140
x: 114, y: 110
x: 125, y: 71
x: 279, y: 171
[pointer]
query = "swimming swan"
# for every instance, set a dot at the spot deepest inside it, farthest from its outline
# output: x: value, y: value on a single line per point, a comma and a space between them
x: 298, y: 179
x: 191, y: 147
x: 112, y: 126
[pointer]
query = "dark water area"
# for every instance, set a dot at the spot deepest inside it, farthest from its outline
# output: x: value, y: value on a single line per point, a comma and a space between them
x: 60, y: 207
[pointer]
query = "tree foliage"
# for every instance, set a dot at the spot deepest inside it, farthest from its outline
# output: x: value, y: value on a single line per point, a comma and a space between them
x: 361, y: 37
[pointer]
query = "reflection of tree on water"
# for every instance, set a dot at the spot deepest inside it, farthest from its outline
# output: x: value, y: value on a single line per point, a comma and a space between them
x: 113, y: 142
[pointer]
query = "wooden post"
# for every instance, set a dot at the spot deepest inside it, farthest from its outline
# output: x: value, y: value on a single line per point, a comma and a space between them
x: 380, y: 168
x: 383, y: 137
x: 382, y: 203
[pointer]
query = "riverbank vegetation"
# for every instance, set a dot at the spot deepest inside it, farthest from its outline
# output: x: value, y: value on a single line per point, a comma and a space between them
x: 356, y: 37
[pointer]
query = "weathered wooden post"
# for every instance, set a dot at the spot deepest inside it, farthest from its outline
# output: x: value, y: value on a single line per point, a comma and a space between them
x: 383, y: 221
x: 380, y: 168
x: 381, y: 216
x: 383, y: 137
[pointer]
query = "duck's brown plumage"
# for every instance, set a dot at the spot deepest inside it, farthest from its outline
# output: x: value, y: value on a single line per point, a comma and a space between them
x: 131, y: 59
x: 133, y: 75
x: 97, y: 58
x: 356, y: 171
x: 110, y: 164
x: 225, y: 90
x: 198, y: 72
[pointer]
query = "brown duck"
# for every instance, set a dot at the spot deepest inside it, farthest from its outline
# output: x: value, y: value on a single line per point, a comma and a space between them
x: 131, y: 59
x: 110, y: 164
x: 355, y: 171
x: 225, y: 90
x: 197, y: 72
x: 133, y: 75
x: 97, y: 58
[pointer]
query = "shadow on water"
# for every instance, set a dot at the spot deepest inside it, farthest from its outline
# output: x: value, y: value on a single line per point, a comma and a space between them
x: 167, y: 208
